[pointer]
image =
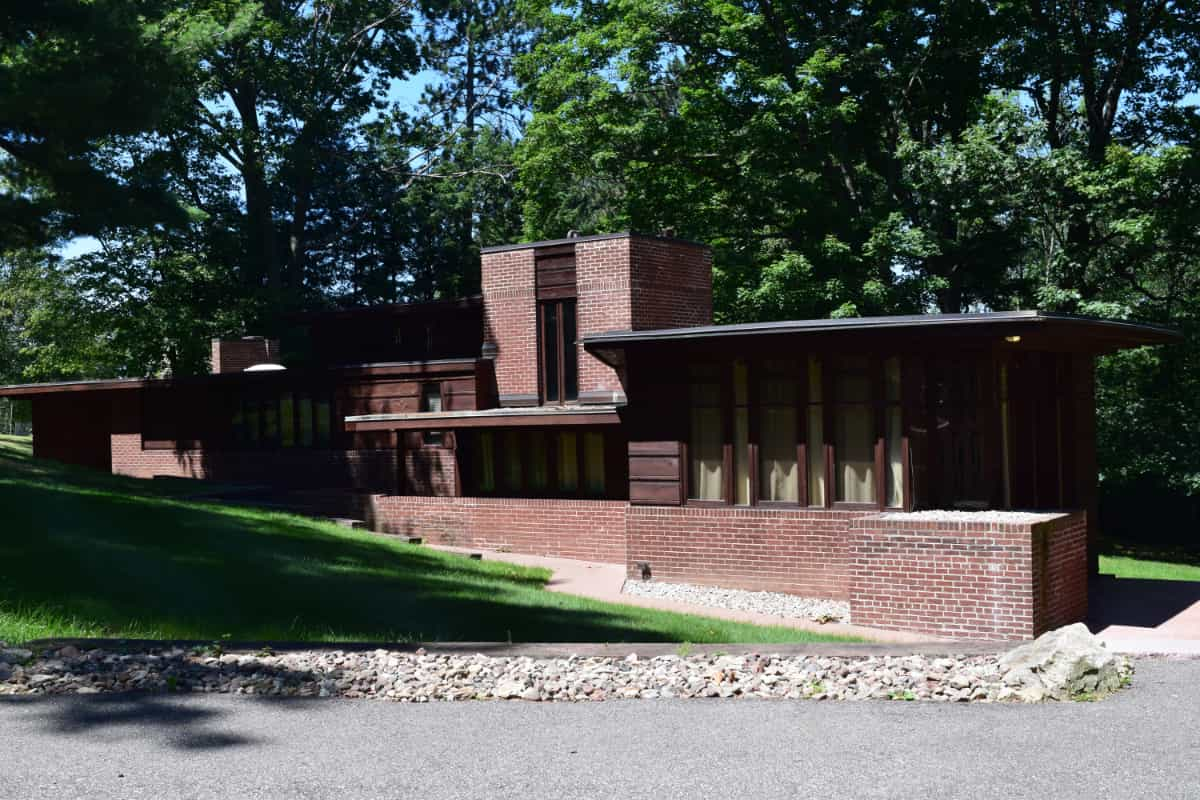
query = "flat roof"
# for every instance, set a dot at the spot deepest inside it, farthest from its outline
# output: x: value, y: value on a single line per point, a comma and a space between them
x: 94, y: 385
x: 595, y: 237
x: 1111, y: 331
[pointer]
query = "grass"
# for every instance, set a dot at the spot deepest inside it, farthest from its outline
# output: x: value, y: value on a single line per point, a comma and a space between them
x: 1150, y: 562
x: 85, y: 554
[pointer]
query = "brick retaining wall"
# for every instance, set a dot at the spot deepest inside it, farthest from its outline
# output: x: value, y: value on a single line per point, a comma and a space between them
x: 591, y: 530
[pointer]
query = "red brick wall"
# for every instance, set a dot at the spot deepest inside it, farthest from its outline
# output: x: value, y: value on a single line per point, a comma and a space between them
x: 234, y: 355
x: 602, y: 281
x: 1060, y: 572
x: 430, y: 470
x: 970, y: 580
x: 510, y: 319
x: 801, y: 552
x: 671, y: 284
x: 591, y: 530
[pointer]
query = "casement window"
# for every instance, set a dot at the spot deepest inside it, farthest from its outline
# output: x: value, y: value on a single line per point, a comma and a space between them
x: 558, y: 355
x: 281, y: 419
x: 809, y: 430
x: 539, y: 463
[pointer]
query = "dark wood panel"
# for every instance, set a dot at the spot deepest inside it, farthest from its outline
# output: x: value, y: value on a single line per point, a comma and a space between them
x: 383, y: 389
x: 654, y: 493
x: 463, y: 401
x: 654, y: 467
x: 668, y: 448
x: 380, y: 405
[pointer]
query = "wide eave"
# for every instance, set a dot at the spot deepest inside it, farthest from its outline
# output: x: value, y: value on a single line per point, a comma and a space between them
x: 1035, y: 329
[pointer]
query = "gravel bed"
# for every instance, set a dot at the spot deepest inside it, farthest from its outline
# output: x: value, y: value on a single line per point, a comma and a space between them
x: 774, y: 603
x: 424, y: 677
x: 1010, y: 517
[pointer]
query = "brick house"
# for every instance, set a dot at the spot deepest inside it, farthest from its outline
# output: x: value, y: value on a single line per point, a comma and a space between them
x: 938, y: 472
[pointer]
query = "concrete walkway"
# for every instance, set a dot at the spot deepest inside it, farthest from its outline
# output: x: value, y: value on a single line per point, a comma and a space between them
x: 1146, y: 616
x: 601, y: 581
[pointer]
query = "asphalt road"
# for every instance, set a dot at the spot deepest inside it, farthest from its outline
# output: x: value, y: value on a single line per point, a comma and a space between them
x: 1143, y: 743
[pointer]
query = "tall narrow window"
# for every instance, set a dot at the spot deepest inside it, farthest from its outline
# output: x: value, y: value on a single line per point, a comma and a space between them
x: 1004, y: 436
x: 779, y: 476
x: 558, y: 350
x: 539, y: 477
x: 706, y: 469
x: 324, y: 415
x: 568, y: 462
x: 486, y: 462
x: 854, y: 434
x: 815, y: 438
x: 287, y: 420
x: 741, y: 433
x: 431, y: 402
x: 895, y: 433
x: 304, y: 409
x: 510, y: 456
x: 593, y: 463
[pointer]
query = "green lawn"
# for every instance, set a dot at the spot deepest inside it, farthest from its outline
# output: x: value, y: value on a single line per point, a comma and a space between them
x: 88, y: 554
x: 1136, y: 560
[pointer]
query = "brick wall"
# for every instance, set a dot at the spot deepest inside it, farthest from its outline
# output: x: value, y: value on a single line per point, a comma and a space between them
x: 802, y: 552
x: 430, y: 470
x: 602, y: 281
x: 1060, y: 571
x: 592, y: 530
x: 510, y: 322
x: 234, y: 355
x: 671, y: 284
x: 969, y: 580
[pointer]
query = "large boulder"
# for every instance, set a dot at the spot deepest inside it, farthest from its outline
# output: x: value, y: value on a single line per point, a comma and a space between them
x: 1064, y: 664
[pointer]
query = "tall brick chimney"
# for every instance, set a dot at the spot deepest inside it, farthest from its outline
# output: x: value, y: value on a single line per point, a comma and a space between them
x: 620, y: 281
x: 234, y: 355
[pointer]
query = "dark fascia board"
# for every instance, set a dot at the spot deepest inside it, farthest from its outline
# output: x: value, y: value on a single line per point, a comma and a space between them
x: 434, y: 366
x: 597, y: 237
x: 468, y: 303
x: 1137, y: 333
x: 56, y: 387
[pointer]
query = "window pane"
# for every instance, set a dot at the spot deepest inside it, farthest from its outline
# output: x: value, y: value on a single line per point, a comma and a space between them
x: 570, y: 352
x: 252, y: 409
x: 304, y: 408
x: 895, y: 458
x: 778, y: 475
x: 816, y: 456
x: 538, y: 477
x: 855, y: 450
x: 270, y: 421
x: 324, y: 423
x: 550, y: 350
x: 287, y: 420
x: 431, y: 397
x: 510, y: 452
x: 593, y: 463
x: 705, y: 444
x: 486, y: 467
x: 815, y: 387
x: 741, y: 435
x: 568, y: 462
x: 239, y: 421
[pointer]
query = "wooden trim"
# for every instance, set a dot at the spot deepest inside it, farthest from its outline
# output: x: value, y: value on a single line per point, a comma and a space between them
x: 487, y: 421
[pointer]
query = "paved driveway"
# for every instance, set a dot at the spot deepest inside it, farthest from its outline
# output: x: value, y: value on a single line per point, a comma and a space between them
x: 1143, y: 743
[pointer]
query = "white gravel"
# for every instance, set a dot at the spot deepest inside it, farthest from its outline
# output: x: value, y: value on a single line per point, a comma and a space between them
x: 775, y: 604
x: 1011, y: 517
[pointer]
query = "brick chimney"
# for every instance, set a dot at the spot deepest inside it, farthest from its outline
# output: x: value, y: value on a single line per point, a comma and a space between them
x: 620, y: 281
x: 234, y: 355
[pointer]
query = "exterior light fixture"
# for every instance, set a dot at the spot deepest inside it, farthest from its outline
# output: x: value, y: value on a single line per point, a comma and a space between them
x: 1012, y: 339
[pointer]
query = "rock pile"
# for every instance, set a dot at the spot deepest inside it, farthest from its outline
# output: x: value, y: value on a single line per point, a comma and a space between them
x: 773, y: 603
x: 423, y: 676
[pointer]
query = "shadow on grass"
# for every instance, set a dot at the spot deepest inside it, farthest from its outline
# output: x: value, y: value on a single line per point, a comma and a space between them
x: 157, y: 568
x: 1152, y: 551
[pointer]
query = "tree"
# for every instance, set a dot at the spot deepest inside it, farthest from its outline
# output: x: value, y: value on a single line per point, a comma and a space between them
x: 72, y: 75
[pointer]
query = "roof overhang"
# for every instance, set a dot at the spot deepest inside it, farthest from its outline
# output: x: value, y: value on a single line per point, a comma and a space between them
x: 1043, y: 329
x: 58, y: 387
x: 556, y: 416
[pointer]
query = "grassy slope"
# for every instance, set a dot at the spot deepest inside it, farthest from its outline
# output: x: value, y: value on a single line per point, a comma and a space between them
x: 87, y: 554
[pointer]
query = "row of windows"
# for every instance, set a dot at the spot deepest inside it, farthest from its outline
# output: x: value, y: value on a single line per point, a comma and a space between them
x: 539, y: 463
x: 783, y: 430
x: 285, y: 419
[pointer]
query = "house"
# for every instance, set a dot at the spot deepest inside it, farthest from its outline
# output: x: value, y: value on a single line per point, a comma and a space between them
x: 937, y: 472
